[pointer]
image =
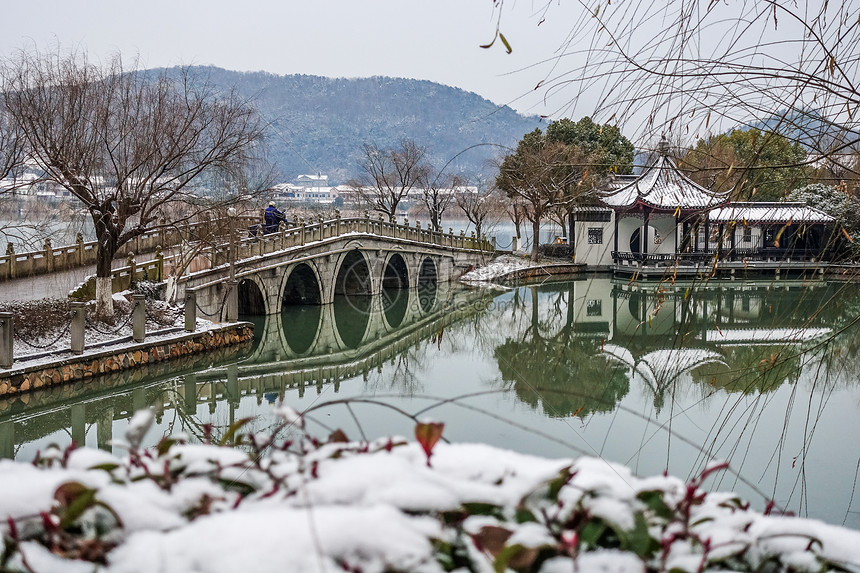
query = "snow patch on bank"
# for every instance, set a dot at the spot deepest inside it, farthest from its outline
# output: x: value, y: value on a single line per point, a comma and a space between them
x: 498, y: 267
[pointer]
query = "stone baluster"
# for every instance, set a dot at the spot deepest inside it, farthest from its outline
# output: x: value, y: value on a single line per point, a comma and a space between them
x: 79, y: 249
x: 49, y: 256
x: 159, y: 264
x: 10, y: 252
x: 132, y: 270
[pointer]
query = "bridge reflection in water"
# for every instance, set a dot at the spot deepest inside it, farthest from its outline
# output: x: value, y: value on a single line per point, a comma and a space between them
x: 305, y: 346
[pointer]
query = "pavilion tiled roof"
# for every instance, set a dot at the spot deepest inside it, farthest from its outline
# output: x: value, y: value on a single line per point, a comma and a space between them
x: 661, y: 186
x: 777, y: 212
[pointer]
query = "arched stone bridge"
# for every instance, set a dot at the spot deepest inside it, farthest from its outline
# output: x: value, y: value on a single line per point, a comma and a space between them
x: 314, y: 263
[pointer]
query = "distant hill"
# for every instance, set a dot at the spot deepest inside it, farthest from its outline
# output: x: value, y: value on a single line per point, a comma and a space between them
x: 812, y: 130
x: 318, y: 124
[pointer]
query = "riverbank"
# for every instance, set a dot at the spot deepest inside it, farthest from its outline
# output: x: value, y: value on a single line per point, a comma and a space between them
x: 64, y: 367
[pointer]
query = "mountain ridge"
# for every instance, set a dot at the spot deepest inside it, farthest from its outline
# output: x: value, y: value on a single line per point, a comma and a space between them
x: 318, y: 124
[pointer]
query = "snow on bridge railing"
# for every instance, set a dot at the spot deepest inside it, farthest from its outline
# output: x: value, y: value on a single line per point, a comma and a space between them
x: 300, y: 232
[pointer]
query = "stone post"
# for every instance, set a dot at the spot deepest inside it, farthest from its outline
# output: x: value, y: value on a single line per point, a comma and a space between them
x: 190, y: 391
x: 6, y: 326
x: 138, y: 319
x: 233, y: 394
x: 232, y: 303
x: 78, y: 414
x: 49, y: 255
x: 79, y: 318
x: 190, y: 309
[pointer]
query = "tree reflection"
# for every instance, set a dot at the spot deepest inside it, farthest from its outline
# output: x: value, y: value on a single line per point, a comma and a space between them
x: 566, y: 374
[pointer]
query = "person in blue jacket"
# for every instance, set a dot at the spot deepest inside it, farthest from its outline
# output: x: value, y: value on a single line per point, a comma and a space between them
x: 273, y: 218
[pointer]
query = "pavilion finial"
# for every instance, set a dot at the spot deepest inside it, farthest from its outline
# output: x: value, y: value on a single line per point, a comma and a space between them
x: 663, y: 146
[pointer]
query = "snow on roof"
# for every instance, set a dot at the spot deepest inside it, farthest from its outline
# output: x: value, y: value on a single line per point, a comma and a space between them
x: 761, y: 335
x: 662, y: 186
x: 780, y: 212
x: 663, y: 366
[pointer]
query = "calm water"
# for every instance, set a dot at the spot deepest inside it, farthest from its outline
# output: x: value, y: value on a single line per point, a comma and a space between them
x: 657, y: 377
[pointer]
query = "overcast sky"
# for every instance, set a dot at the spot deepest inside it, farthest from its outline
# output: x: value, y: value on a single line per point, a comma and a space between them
x: 436, y: 40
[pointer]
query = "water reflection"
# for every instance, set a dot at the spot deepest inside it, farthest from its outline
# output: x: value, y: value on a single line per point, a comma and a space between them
x: 352, y: 314
x: 656, y: 376
x: 300, y: 340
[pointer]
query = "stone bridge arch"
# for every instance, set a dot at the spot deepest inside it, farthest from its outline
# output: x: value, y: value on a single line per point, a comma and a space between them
x: 353, y: 275
x: 252, y: 299
x: 302, y: 285
x: 427, y: 283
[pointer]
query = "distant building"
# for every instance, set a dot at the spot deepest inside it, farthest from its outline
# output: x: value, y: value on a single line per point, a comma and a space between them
x: 317, y: 181
x: 307, y: 189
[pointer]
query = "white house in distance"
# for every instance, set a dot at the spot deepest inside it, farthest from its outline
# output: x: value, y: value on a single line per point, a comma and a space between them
x: 307, y: 189
x: 662, y: 218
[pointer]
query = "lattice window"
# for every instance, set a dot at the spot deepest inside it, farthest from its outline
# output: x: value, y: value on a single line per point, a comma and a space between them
x: 594, y: 308
x: 595, y: 236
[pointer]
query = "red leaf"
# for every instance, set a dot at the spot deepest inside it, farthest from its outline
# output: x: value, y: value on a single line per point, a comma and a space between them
x: 427, y: 434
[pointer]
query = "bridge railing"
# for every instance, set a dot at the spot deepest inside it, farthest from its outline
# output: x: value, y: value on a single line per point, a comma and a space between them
x: 83, y: 253
x: 301, y: 232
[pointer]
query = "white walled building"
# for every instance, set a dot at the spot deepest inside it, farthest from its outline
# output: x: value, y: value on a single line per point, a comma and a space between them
x: 663, y: 217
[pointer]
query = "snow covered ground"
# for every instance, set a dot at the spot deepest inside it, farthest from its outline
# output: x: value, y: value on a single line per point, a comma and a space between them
x: 498, y: 267
x: 160, y: 316
x: 301, y: 505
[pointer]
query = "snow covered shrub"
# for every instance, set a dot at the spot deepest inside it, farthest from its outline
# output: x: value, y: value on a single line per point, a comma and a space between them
x: 38, y: 318
x: 260, y: 502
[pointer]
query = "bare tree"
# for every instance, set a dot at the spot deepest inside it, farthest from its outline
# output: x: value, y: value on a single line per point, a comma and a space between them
x: 477, y: 206
x: 698, y: 69
x: 126, y: 143
x: 11, y: 161
x: 437, y: 193
x: 544, y: 175
x: 388, y: 175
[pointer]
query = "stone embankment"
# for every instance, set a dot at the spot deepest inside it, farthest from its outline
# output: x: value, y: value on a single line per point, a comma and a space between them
x: 66, y: 368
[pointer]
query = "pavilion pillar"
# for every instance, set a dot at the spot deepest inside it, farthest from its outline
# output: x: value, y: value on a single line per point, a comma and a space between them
x: 732, y: 242
x: 679, y: 237
x: 707, y: 233
x: 615, y: 235
x: 720, y: 229
x: 646, y: 220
